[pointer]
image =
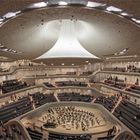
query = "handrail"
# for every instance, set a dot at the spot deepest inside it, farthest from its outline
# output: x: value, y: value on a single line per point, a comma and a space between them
x: 19, y: 91
x: 22, y: 128
x: 121, y: 91
x: 124, y: 133
x: 121, y: 73
x: 44, y: 87
x: 13, y: 69
x: 62, y: 76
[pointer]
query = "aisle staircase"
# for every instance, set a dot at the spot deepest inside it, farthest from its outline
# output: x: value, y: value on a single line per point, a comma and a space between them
x: 119, y: 101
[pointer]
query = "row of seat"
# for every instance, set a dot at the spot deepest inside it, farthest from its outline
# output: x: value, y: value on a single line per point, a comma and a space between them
x: 115, y: 82
x: 12, y: 85
x: 129, y: 114
x: 15, y: 109
x: 47, y: 84
x: 134, y: 88
x: 107, y: 138
x: 24, y: 105
x: 108, y: 102
x: 40, y: 98
x: 34, y: 134
x: 133, y: 68
x: 129, y: 68
x: 118, y: 69
x: 86, y: 73
x: 120, y: 84
x: 53, y: 136
x: 74, y: 97
x: 4, y: 70
x: 71, y: 83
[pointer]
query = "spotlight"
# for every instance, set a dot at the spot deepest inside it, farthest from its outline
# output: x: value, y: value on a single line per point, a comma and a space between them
x: 94, y: 4
x: 113, y: 9
x: 124, y: 14
x: 38, y: 5
x: 136, y: 20
x: 62, y: 3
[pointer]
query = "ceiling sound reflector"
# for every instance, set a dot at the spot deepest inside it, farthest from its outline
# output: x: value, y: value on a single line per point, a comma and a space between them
x: 67, y: 45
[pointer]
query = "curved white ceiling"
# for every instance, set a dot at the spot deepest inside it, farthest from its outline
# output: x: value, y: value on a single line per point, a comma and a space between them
x: 67, y: 44
x: 100, y: 32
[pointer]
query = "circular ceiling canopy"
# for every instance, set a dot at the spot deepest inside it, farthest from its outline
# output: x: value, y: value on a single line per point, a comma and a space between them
x: 100, y: 29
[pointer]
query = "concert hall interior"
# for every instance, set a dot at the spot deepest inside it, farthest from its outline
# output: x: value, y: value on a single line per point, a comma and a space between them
x: 69, y: 69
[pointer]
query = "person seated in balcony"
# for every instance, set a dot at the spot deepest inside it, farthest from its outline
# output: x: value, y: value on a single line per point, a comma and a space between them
x: 137, y: 82
x: 111, y: 131
x: 136, y: 117
x: 116, y: 78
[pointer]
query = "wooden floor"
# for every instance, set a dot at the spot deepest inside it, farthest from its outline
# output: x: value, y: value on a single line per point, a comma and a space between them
x: 101, y: 124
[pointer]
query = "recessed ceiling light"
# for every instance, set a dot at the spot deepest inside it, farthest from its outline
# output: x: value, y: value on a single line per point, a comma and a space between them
x: 113, y: 9
x: 133, y: 19
x: 62, y: 3
x: 1, y: 46
x: 52, y: 64
x: 136, y: 20
x: 122, y: 52
x: 72, y: 64
x: 18, y: 12
x: 9, y: 15
x: 1, y: 19
x: 125, y: 50
x: 5, y: 49
x: 39, y: 5
x: 62, y: 64
x: 94, y: 4
x: 124, y: 14
x: 14, y: 51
